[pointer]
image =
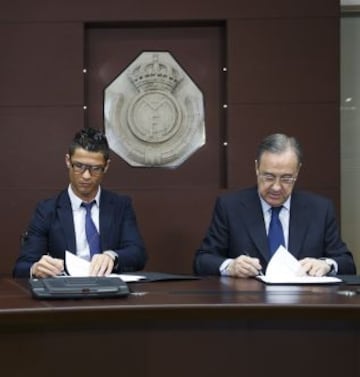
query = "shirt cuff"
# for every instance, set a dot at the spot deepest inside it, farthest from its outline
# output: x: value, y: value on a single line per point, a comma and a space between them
x: 334, y: 268
x: 224, y: 267
x: 114, y: 256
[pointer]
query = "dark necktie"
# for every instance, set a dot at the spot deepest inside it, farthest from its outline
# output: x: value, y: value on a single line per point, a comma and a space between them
x: 276, y: 234
x: 92, y: 234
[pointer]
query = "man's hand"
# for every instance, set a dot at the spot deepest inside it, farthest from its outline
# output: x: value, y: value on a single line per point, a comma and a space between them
x: 47, y: 267
x: 314, y: 267
x: 244, y: 267
x: 101, y: 265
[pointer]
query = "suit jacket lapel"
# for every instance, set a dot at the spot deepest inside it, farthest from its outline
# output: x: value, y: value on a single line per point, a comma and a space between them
x: 105, y: 219
x: 298, y: 224
x: 255, y: 223
x: 64, y: 211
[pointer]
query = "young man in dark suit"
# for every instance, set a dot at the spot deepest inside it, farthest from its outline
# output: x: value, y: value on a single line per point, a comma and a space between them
x: 64, y: 223
x: 237, y: 242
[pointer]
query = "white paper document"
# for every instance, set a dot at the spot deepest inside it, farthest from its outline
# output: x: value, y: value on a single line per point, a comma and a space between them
x: 284, y: 268
x: 78, y: 267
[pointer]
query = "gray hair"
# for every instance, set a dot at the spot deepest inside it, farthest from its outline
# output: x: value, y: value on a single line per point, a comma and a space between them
x: 279, y: 143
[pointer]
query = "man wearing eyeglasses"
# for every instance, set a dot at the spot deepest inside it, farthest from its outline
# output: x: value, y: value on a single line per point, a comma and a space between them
x: 85, y: 219
x: 247, y: 224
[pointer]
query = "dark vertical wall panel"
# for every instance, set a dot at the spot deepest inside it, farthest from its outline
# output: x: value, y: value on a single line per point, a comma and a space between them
x: 199, y: 51
x: 282, y: 59
x: 129, y: 10
x: 288, y: 83
x: 165, y: 197
x: 41, y: 64
x: 301, y: 120
x: 41, y: 106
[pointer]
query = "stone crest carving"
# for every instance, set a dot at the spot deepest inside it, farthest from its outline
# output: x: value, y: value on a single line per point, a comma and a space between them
x: 154, y: 113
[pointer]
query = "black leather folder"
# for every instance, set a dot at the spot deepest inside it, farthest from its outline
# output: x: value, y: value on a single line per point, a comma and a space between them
x: 78, y: 287
x: 350, y: 279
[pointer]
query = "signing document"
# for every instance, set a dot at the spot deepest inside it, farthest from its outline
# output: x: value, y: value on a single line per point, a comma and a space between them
x: 284, y: 268
x: 79, y: 267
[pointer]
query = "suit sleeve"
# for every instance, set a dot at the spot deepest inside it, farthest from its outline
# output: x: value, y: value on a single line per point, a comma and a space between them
x: 213, y: 250
x: 128, y: 245
x: 334, y: 247
x: 34, y: 242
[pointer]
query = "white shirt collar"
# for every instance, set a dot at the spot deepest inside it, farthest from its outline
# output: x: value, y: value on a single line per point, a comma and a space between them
x: 76, y: 201
x: 265, y: 206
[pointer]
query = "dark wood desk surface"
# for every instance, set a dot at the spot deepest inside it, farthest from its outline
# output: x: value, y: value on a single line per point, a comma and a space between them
x: 223, y: 298
x: 206, y: 327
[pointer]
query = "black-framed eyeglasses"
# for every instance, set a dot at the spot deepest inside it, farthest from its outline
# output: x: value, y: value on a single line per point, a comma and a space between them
x: 80, y: 168
x: 271, y: 179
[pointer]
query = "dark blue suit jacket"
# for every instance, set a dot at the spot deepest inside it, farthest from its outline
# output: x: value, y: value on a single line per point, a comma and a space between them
x: 238, y: 227
x: 51, y: 231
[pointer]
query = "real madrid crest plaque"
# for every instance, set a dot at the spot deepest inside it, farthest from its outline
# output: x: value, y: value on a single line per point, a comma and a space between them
x: 154, y: 112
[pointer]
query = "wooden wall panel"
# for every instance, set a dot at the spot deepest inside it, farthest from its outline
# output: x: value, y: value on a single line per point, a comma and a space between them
x: 315, y: 125
x: 173, y: 223
x: 35, y: 141
x: 41, y: 64
x: 158, y: 10
x: 287, y: 60
x: 288, y: 83
x: 282, y: 60
x: 199, y: 50
x: 169, y: 198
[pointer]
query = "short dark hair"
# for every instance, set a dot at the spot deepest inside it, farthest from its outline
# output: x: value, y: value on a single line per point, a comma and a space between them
x: 92, y: 140
x: 278, y: 143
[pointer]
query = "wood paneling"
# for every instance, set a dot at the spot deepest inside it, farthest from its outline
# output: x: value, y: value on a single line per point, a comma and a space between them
x: 41, y: 64
x: 35, y: 141
x: 160, y: 10
x: 314, y: 124
x: 282, y: 59
x: 199, y: 50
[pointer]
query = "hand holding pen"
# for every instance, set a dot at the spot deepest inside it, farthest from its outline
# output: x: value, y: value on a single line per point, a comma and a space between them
x: 244, y: 266
x: 47, y: 266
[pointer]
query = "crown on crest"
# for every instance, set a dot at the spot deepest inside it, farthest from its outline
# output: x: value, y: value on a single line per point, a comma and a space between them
x: 155, y: 75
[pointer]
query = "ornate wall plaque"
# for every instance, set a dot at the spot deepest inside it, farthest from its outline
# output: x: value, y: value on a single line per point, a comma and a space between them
x: 154, y: 113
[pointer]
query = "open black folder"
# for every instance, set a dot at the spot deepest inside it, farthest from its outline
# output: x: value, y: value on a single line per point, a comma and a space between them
x: 78, y: 287
x: 350, y: 279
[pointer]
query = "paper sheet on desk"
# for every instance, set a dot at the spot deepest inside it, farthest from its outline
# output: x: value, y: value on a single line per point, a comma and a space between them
x: 284, y: 268
x: 78, y: 267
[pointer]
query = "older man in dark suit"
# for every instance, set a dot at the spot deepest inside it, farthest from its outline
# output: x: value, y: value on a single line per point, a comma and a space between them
x: 93, y: 223
x: 238, y: 240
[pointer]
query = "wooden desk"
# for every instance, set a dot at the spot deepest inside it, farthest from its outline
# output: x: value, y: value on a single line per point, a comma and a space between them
x: 208, y: 327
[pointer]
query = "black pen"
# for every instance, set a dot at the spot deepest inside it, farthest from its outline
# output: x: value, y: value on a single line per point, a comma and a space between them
x: 260, y: 273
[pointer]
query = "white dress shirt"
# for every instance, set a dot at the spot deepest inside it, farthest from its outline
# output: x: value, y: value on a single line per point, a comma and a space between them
x: 284, y: 216
x: 79, y: 212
